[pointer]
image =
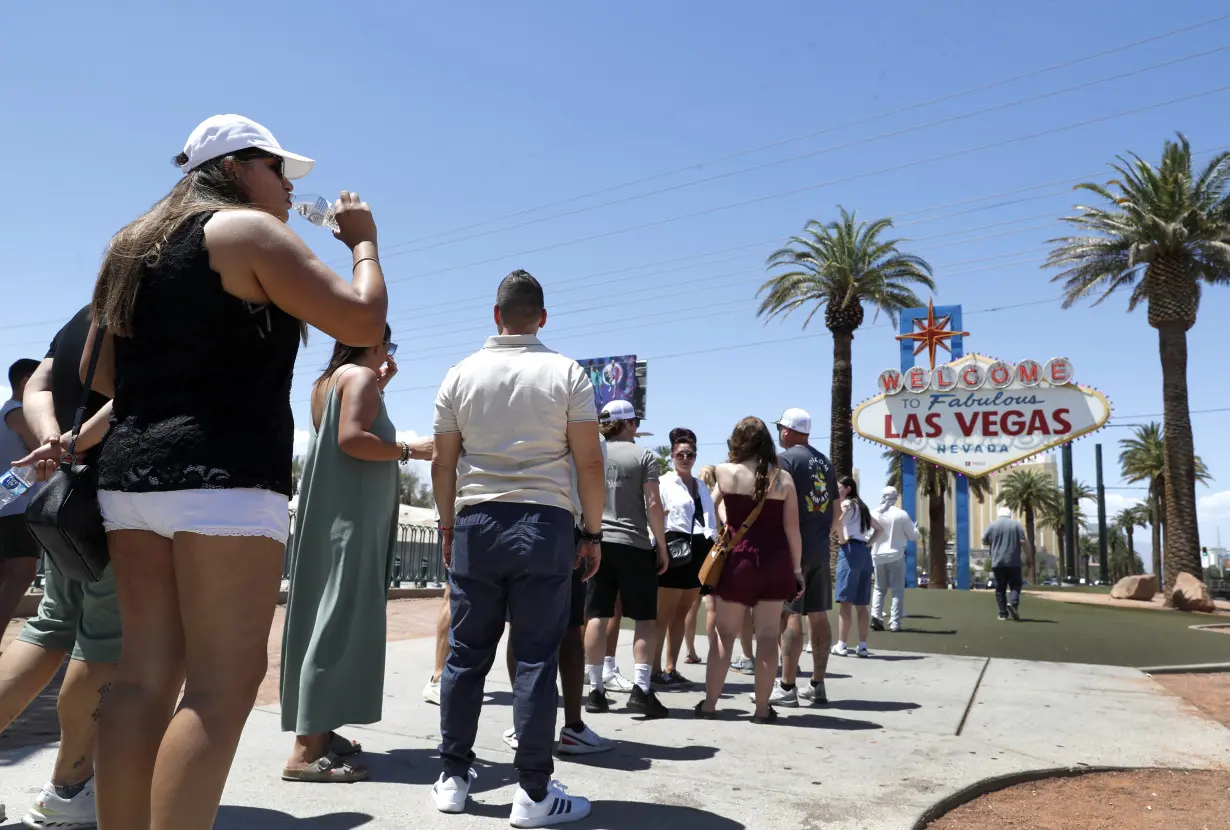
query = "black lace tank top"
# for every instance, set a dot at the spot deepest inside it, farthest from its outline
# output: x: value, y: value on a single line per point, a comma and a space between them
x: 202, y: 388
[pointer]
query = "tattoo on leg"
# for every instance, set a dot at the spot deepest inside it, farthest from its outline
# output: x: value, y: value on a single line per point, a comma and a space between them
x: 77, y: 764
x: 103, y: 691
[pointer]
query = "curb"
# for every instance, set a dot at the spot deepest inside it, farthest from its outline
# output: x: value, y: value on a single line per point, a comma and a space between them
x: 1194, y: 668
x: 1000, y: 782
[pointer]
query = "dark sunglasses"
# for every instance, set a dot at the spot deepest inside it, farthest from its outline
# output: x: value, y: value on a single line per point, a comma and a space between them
x: 277, y: 165
x: 685, y: 455
x: 392, y: 347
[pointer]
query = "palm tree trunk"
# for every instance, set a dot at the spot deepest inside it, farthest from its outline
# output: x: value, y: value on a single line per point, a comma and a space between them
x: 1131, y: 563
x: 938, y: 538
x: 1157, y: 541
x: 841, y: 441
x: 1182, y: 533
x: 1033, y: 550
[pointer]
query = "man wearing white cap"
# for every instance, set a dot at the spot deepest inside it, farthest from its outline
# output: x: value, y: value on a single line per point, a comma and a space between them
x: 1004, y: 537
x: 815, y: 482
x: 888, y: 557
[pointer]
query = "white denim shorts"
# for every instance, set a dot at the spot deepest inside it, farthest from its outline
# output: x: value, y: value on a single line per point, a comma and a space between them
x: 242, y: 512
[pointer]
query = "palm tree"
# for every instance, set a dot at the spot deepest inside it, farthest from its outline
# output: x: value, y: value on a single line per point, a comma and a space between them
x: 935, y: 483
x: 1052, y: 516
x: 663, y: 456
x: 1029, y: 492
x: 1126, y: 521
x: 839, y: 266
x: 1143, y: 458
x: 1165, y: 233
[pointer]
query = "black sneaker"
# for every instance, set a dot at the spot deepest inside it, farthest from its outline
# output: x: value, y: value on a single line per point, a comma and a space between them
x: 678, y: 679
x: 1002, y: 616
x: 646, y: 704
x: 877, y: 624
x: 661, y: 678
x: 597, y: 703
x: 1016, y: 615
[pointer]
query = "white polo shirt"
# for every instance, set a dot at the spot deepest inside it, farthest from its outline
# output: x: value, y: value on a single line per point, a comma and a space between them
x: 512, y: 402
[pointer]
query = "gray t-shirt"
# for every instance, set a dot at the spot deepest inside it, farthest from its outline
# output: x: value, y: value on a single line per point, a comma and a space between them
x: 1004, y: 537
x: 815, y: 483
x: 629, y: 468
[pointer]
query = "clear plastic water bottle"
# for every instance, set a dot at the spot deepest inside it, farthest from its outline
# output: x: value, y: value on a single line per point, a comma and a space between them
x: 316, y: 209
x: 15, y: 483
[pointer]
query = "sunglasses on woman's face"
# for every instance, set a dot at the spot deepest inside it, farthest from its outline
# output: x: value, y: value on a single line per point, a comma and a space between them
x: 392, y: 348
x: 685, y: 455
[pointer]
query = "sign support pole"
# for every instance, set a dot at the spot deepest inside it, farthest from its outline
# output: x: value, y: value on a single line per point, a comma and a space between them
x: 909, y: 478
x: 1103, y: 573
x: 1069, y: 513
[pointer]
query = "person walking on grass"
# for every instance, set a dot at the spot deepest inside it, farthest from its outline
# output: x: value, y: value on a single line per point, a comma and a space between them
x: 888, y: 558
x: 856, y: 532
x: 631, y: 561
x: 815, y: 487
x: 507, y: 419
x: 1004, y: 537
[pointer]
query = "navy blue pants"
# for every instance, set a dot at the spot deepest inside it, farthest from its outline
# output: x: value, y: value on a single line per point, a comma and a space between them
x: 511, y: 561
x: 1007, y: 579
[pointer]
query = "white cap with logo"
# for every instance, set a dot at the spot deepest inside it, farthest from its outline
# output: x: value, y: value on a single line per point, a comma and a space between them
x: 797, y: 420
x: 617, y: 411
x: 220, y: 135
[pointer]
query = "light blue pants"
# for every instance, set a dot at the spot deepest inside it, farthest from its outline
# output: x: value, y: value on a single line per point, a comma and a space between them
x: 889, y: 577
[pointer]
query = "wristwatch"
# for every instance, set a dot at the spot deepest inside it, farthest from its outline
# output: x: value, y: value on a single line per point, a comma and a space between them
x: 595, y: 538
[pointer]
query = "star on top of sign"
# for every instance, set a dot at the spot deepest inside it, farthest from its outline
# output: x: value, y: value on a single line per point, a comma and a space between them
x: 932, y: 333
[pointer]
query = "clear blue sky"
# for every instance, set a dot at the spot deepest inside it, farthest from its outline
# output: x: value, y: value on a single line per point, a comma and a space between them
x: 443, y: 118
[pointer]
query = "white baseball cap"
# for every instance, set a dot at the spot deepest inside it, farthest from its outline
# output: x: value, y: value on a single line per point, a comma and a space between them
x: 617, y: 411
x: 797, y: 420
x: 220, y: 135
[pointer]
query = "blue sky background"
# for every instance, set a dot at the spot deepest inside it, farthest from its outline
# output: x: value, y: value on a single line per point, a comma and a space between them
x: 446, y: 119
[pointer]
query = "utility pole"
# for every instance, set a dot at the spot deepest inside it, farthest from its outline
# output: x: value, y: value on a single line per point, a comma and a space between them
x: 1102, y: 571
x: 1069, y: 513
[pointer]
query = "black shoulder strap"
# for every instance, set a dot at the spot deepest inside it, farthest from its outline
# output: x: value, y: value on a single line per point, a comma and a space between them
x: 69, y: 457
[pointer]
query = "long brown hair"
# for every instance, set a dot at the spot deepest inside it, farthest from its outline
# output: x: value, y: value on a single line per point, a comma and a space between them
x: 751, y: 440
x: 139, y: 246
x: 343, y: 354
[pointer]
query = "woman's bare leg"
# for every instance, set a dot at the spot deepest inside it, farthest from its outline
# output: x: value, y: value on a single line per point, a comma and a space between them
x: 728, y: 621
x: 668, y: 601
x: 767, y: 623
x: 745, y: 636
x: 843, y: 623
x: 228, y: 589
x: 147, y: 680
x: 677, y: 627
x: 689, y: 628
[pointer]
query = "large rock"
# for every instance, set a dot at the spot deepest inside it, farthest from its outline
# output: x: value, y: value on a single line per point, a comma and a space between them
x: 1190, y: 594
x: 1141, y: 586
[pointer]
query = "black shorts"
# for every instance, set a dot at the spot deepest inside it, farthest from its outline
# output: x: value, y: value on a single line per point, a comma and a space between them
x: 817, y: 591
x: 687, y: 577
x: 628, y: 574
x: 15, y: 540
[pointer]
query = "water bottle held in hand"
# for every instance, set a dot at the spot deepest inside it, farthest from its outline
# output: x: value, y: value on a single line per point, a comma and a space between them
x: 316, y: 209
x: 15, y: 483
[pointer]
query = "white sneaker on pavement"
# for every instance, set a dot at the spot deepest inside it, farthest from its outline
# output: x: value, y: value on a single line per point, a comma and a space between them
x: 862, y: 651
x: 743, y: 665
x: 431, y: 692
x: 616, y: 682
x: 583, y: 741
x: 839, y: 650
x: 450, y: 794
x: 557, y: 808
x: 50, y: 810
x: 510, y: 738
x: 781, y: 697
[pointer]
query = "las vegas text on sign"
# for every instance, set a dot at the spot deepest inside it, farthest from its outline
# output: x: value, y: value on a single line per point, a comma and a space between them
x: 977, y: 415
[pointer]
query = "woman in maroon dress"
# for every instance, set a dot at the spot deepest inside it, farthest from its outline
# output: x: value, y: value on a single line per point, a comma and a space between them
x: 763, y: 571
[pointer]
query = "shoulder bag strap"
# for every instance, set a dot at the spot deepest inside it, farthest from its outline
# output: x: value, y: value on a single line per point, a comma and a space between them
x: 70, y: 456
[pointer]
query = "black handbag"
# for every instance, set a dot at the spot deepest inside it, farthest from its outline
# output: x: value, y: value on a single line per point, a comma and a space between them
x: 64, y: 516
x: 679, y: 551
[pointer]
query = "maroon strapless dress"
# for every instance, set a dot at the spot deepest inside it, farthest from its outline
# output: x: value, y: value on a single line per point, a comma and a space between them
x: 759, y: 569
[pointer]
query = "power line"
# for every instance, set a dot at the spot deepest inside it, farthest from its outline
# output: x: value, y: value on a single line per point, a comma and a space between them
x: 811, y: 154
x: 827, y: 130
x: 808, y: 188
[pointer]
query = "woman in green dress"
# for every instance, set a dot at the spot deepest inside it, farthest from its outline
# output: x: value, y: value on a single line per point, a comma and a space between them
x: 341, y: 558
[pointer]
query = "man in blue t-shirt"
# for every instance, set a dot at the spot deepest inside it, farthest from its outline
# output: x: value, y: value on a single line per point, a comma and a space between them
x: 815, y: 482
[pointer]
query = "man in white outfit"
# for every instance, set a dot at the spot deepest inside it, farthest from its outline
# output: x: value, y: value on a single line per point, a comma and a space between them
x: 888, y: 557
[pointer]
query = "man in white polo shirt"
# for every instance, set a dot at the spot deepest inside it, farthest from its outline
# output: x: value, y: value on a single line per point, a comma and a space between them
x: 507, y: 419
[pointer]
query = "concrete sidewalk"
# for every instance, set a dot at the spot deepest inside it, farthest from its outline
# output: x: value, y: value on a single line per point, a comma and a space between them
x: 902, y: 731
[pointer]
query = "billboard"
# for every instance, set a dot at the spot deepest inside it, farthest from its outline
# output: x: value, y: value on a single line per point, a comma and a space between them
x: 977, y: 415
x: 620, y: 378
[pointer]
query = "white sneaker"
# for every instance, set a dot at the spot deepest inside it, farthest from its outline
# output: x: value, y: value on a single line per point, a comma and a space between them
x: 557, y: 808
x: 862, y: 651
x: 583, y: 741
x: 49, y: 810
x: 510, y: 738
x: 431, y: 692
x: 780, y: 697
x: 743, y: 665
x: 450, y: 794
x: 616, y: 682
x: 894, y: 627
x: 807, y: 647
x: 839, y: 650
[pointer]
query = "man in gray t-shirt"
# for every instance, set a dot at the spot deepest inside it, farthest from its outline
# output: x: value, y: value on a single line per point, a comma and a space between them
x: 1004, y: 538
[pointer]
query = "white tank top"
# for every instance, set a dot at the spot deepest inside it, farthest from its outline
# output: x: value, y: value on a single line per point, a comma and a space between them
x: 853, y: 523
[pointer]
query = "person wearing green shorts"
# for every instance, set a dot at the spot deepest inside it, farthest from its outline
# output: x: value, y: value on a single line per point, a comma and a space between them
x: 79, y: 620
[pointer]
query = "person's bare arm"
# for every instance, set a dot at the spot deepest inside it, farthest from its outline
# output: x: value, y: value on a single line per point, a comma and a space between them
x: 16, y: 421
x: 297, y: 281
x: 841, y: 522
x: 657, y: 522
x: 421, y: 448
x: 790, y: 523
x: 39, y: 406
x: 586, y: 452
x: 359, y: 391
x: 446, y: 451
x: 104, y: 372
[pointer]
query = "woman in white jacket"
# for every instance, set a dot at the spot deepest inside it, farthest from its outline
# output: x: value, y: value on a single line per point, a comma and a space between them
x: 691, y: 524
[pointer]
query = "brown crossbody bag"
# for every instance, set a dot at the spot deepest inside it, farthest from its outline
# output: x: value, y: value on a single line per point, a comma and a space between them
x: 715, y: 562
